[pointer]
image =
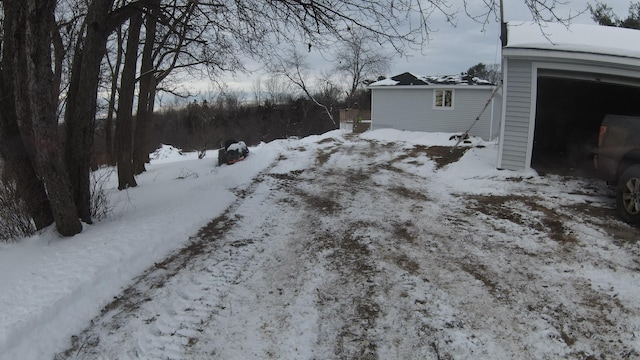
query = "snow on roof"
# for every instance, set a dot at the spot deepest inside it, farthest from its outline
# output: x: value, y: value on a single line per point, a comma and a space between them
x: 384, y: 82
x: 593, y: 39
x: 411, y: 79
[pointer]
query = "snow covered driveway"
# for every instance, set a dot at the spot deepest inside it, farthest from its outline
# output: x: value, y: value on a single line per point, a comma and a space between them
x: 359, y: 247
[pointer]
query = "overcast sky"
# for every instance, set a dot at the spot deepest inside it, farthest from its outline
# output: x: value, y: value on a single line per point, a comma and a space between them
x: 452, y: 50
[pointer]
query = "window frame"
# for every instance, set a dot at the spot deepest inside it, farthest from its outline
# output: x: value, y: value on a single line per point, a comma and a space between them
x: 444, y: 92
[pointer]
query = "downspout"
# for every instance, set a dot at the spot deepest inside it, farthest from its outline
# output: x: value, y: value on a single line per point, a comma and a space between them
x: 493, y: 103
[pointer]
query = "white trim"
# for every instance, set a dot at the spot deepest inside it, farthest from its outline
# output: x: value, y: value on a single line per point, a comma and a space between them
x: 532, y: 54
x: 577, y: 69
x: 533, y: 104
x: 503, y: 115
x: 443, y: 107
x: 536, y: 66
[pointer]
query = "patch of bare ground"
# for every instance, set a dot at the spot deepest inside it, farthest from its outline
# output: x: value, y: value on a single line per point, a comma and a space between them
x: 606, y: 218
x: 408, y: 193
x: 329, y: 140
x: 481, y: 273
x: 321, y: 204
x: 357, y: 177
x: 324, y: 155
x: 290, y: 176
x: 352, y: 256
x: 444, y: 155
x: 527, y: 212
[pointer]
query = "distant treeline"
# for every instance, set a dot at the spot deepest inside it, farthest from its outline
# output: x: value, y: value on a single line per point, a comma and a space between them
x: 204, y: 125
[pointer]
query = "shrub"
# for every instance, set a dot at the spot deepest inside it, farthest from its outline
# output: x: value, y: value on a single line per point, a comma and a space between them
x: 15, y: 223
x: 100, y: 206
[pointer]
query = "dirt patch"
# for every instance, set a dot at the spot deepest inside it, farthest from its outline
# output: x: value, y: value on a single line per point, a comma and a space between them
x: 408, y: 193
x: 405, y: 263
x: 482, y: 274
x: 526, y: 212
x: 444, y: 155
x: 402, y: 232
x: 327, y: 141
x: 322, y: 204
x: 359, y: 177
x: 292, y: 175
x: 352, y: 256
x: 324, y: 155
x: 607, y: 219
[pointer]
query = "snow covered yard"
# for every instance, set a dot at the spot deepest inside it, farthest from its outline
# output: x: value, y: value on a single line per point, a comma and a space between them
x: 379, y: 246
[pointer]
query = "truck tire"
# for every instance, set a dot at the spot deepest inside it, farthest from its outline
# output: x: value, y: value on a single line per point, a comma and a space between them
x: 628, y: 195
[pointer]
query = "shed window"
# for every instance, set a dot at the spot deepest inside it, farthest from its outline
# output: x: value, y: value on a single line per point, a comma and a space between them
x: 443, y: 99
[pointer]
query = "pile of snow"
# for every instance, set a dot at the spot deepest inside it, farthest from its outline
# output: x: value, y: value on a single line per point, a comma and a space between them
x: 166, y: 152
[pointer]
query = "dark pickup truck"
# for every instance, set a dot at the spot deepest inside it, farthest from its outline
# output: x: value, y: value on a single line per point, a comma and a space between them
x: 617, y: 160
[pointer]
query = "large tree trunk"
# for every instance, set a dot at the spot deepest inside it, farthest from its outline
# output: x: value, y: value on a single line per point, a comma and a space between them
x: 18, y: 167
x: 147, y: 93
x: 124, y: 126
x: 81, y: 105
x: 29, y: 25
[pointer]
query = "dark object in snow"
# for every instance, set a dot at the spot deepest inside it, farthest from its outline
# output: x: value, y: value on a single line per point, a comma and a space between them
x: 617, y: 160
x: 464, y: 136
x: 232, y: 152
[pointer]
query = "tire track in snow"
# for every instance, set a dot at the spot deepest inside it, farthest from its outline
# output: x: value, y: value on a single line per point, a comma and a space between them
x: 166, y: 309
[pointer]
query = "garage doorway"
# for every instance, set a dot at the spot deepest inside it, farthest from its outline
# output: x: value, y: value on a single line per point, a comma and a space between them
x: 568, y: 115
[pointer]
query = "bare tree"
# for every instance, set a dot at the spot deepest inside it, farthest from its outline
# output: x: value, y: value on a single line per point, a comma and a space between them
x: 147, y: 91
x: 277, y: 90
x: 124, y: 120
x: 359, y: 57
x: 541, y: 11
x: 114, y: 75
x: 297, y: 71
x: 257, y: 91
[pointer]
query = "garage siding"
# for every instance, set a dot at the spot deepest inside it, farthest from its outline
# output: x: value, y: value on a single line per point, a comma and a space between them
x: 517, y: 114
x: 412, y: 110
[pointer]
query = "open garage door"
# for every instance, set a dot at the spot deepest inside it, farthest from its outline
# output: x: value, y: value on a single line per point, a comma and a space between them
x: 569, y: 109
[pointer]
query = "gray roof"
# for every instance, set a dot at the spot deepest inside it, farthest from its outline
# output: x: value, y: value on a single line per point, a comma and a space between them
x: 411, y: 79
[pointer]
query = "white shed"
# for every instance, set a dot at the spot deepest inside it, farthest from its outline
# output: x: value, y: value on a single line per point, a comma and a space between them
x: 559, y: 82
x: 435, y: 104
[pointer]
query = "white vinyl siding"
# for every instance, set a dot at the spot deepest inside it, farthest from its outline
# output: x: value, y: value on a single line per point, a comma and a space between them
x: 411, y: 108
x: 515, y: 138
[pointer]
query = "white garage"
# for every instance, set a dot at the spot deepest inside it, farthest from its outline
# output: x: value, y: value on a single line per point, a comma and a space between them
x: 558, y: 84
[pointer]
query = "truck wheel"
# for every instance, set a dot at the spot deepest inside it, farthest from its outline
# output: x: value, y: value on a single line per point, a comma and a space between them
x: 628, y: 195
